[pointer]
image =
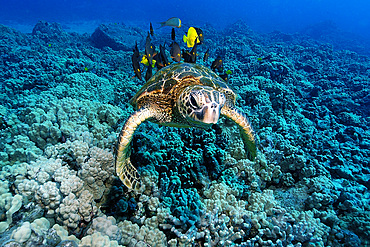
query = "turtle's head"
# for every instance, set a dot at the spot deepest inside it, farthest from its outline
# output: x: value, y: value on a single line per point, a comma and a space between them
x: 201, y: 105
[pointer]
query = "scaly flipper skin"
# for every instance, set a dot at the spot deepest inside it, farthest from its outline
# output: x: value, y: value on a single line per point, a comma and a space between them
x: 124, y: 169
x: 245, y: 128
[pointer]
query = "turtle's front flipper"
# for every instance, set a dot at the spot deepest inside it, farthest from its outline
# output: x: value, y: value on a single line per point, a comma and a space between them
x: 124, y: 169
x: 245, y: 128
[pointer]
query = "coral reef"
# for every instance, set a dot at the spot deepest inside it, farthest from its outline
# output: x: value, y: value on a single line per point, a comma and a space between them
x: 63, y: 99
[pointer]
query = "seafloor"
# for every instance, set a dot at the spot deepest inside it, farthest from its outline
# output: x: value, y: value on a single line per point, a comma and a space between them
x: 64, y: 98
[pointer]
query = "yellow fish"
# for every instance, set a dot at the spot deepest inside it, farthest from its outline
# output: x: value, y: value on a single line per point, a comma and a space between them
x: 145, y: 61
x: 190, y: 39
x: 172, y: 22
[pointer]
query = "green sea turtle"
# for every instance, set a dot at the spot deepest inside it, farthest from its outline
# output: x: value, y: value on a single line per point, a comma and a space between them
x: 180, y: 95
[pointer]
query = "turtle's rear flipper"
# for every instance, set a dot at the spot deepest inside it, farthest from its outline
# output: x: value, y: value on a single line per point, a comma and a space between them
x: 124, y: 169
x: 245, y: 128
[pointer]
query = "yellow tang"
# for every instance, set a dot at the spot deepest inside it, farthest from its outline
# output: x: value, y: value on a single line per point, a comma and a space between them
x: 190, y: 39
x: 145, y: 61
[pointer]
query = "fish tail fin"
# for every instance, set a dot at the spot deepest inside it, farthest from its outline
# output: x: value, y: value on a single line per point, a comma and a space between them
x: 163, y: 23
x: 185, y: 39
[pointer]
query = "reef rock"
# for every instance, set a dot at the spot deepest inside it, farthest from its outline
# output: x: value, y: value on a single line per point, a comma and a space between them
x: 48, y: 31
x: 117, y: 36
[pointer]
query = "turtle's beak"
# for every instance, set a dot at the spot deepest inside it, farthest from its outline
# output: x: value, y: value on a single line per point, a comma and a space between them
x: 201, y: 106
x: 210, y: 113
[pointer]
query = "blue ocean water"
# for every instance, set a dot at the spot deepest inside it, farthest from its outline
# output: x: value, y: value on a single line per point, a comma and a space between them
x: 262, y: 16
x: 301, y: 70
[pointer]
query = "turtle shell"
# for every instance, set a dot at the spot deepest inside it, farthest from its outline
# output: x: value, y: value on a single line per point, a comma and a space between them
x: 170, y: 79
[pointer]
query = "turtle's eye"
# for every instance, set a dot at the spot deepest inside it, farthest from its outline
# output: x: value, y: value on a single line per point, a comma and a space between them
x: 193, y: 101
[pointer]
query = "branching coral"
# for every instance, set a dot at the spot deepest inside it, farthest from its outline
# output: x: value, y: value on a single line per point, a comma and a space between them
x: 133, y: 235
